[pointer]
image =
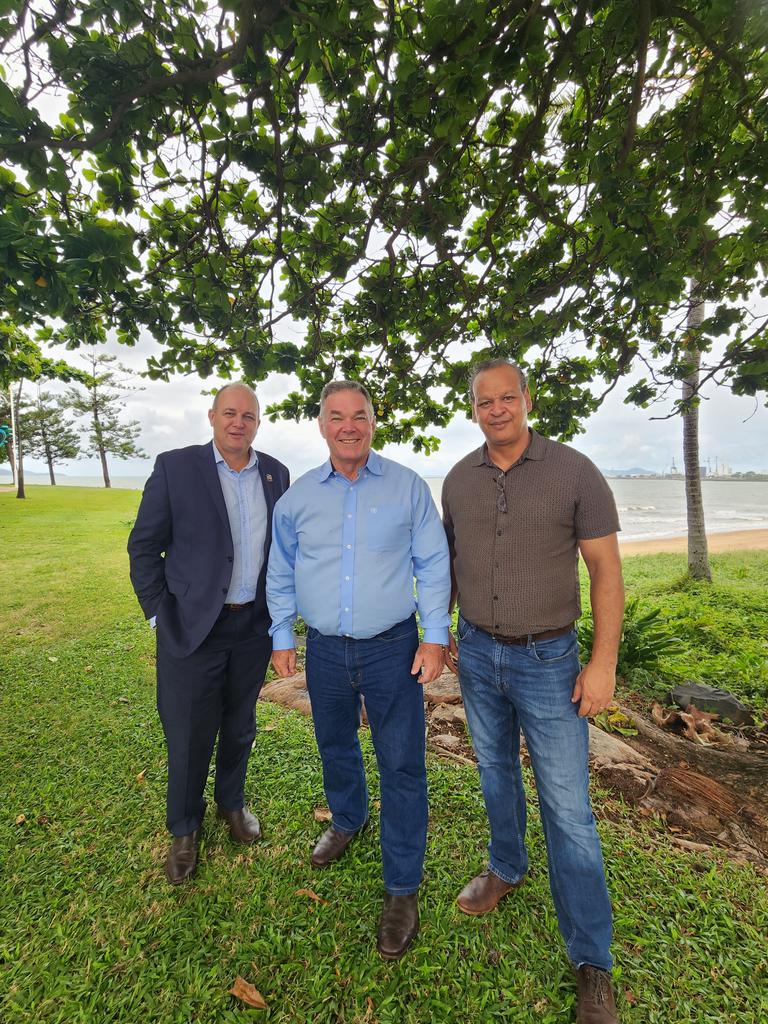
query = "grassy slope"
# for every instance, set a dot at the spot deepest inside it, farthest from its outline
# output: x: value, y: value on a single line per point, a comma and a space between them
x: 90, y: 931
x: 723, y: 625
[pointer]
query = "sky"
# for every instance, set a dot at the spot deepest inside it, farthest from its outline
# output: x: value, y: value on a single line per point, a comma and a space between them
x: 733, y: 430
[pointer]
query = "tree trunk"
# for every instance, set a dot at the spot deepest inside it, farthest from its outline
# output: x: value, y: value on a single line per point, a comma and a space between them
x: 20, y: 492
x: 99, y: 442
x: 10, y: 445
x: 15, y: 403
x: 698, y: 556
x: 46, y: 445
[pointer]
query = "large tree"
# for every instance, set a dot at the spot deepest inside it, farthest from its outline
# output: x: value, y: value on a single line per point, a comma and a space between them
x: 359, y: 187
x: 101, y: 403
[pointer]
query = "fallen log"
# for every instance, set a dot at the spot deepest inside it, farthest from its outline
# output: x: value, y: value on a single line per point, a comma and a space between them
x: 743, y: 771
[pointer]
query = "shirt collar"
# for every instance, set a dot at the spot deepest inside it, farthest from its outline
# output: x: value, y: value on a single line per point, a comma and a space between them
x: 218, y: 457
x: 535, y: 451
x: 374, y: 464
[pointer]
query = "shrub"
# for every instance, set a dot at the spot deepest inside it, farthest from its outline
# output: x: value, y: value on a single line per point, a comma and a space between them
x: 645, y: 639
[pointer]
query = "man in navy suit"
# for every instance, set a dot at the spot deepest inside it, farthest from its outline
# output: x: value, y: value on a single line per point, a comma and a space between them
x: 198, y: 555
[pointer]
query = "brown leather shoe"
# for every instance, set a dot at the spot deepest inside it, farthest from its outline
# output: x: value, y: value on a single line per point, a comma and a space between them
x: 244, y: 827
x: 595, y: 1003
x: 483, y: 893
x: 331, y: 845
x: 398, y: 925
x: 181, y: 862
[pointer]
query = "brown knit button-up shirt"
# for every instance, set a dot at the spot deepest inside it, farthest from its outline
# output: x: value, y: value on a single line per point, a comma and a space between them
x: 517, y: 570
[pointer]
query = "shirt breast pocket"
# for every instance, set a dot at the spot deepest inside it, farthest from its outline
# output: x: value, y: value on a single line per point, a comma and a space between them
x: 387, y: 527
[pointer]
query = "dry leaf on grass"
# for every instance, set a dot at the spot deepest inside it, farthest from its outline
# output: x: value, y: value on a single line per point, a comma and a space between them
x: 140, y: 776
x: 248, y: 994
x: 269, y: 727
x: 312, y: 895
x: 21, y: 819
x: 322, y: 814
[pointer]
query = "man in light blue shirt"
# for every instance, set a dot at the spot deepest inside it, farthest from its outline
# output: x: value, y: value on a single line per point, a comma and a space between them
x: 347, y: 541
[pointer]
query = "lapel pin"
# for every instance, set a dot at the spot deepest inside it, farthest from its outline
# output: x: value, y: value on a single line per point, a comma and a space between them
x: 269, y: 478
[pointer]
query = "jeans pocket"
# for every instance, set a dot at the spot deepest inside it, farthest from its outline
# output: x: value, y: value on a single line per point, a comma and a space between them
x: 558, y: 649
x: 312, y: 633
x: 464, y: 629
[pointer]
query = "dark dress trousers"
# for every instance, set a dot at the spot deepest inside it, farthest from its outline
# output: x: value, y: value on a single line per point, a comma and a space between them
x: 211, y: 661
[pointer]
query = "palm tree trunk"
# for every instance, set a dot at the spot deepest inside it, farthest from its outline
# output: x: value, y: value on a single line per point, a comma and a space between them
x: 698, y: 555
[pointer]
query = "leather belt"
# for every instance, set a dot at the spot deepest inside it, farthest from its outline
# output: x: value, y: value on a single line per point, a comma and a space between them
x: 522, y: 641
x: 239, y: 607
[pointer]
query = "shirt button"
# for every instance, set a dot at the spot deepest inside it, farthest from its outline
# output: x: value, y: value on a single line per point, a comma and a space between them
x: 498, y: 533
x: 346, y: 609
x: 347, y: 578
x: 495, y: 597
x: 349, y: 547
x: 349, y: 515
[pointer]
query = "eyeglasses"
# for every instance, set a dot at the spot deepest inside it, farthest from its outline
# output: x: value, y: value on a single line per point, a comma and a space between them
x: 501, y: 496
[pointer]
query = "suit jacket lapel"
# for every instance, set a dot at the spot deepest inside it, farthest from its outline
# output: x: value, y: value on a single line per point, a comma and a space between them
x: 211, y: 477
x: 268, y: 484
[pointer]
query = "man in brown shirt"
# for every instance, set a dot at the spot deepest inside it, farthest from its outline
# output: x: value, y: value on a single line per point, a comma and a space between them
x: 517, y: 513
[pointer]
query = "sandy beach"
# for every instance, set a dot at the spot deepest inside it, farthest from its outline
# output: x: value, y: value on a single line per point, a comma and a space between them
x: 735, y: 540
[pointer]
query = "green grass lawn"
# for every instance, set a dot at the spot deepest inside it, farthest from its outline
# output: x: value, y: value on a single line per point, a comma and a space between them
x: 91, y: 932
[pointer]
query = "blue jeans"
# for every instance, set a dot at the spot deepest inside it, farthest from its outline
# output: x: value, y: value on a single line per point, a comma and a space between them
x: 507, y: 688
x: 339, y: 671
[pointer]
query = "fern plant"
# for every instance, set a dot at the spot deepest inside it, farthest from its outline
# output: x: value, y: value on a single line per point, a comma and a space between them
x: 645, y: 639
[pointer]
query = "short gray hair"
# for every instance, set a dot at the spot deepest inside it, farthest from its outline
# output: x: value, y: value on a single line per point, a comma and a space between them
x: 494, y: 364
x: 236, y: 384
x: 334, y: 386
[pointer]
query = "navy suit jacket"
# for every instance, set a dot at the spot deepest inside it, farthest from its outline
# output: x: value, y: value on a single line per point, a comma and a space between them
x: 180, y: 547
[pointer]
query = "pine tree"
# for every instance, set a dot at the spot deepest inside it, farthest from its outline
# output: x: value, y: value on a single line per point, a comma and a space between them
x: 101, y: 402
x: 52, y: 437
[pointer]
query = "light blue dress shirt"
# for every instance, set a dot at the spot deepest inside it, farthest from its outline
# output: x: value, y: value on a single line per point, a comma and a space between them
x: 345, y: 553
x: 247, y: 512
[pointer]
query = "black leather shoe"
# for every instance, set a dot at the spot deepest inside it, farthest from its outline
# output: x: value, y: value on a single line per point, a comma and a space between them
x: 331, y: 845
x: 398, y: 925
x: 181, y: 862
x: 244, y: 827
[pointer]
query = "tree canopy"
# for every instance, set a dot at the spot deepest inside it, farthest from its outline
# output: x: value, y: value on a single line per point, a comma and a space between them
x: 359, y: 187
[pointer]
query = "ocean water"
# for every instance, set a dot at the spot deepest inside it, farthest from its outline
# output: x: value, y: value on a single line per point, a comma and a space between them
x: 648, y: 509
x: 652, y: 509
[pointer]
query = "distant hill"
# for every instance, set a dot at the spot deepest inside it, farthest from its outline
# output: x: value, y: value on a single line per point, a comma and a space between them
x: 634, y: 471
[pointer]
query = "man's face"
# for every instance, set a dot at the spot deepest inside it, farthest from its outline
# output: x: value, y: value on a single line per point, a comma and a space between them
x: 235, y: 421
x: 500, y: 407
x: 347, y: 426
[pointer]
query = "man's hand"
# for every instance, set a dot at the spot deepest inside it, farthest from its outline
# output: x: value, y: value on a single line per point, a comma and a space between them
x: 451, y: 654
x: 284, y: 662
x: 594, y: 688
x: 428, y: 663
